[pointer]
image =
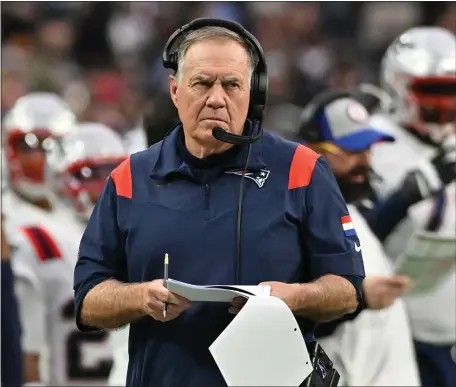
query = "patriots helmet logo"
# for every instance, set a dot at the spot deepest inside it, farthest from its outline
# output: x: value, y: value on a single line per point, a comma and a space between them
x: 259, y: 177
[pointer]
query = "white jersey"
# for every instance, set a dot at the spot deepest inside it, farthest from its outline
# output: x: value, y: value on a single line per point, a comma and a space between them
x: 119, y: 346
x: 433, y: 314
x: 135, y: 140
x: 45, y: 248
x: 375, y: 349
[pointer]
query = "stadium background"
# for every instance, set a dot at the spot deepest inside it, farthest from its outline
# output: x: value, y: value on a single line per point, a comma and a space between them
x: 105, y: 57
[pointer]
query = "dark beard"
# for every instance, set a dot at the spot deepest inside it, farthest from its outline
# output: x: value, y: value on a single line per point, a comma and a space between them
x: 355, y: 192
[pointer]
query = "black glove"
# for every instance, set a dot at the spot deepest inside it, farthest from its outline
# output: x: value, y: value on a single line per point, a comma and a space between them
x: 445, y: 161
x: 423, y: 183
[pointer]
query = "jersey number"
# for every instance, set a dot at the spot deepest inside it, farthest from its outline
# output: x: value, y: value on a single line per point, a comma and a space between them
x: 75, y: 341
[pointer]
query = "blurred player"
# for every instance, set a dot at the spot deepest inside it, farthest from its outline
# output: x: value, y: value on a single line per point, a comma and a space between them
x: 80, y: 168
x: 45, y: 248
x: 419, y: 76
x: 376, y: 348
x: 11, y: 353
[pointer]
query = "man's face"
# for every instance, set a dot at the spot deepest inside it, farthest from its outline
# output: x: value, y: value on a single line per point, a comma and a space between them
x: 213, y: 90
x: 351, y: 170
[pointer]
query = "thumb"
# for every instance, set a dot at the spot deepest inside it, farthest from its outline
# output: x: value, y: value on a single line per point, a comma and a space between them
x: 399, y: 281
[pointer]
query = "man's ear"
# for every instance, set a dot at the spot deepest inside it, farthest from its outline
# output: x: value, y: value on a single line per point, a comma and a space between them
x: 173, y: 86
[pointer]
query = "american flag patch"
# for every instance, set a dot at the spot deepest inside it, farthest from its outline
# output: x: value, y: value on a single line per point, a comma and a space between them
x: 347, y: 225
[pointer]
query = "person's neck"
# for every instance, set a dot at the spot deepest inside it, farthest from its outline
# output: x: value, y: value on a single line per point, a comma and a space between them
x: 202, y: 151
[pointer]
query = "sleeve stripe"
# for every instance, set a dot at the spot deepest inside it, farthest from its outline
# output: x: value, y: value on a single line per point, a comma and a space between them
x: 43, y: 243
x: 122, y: 179
x: 345, y: 219
x: 302, y: 167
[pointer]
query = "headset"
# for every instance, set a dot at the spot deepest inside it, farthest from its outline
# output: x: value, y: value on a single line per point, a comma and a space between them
x: 259, y: 82
x: 258, y: 99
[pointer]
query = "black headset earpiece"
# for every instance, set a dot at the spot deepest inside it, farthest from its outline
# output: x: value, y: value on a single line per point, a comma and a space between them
x: 259, y: 82
x: 309, y: 130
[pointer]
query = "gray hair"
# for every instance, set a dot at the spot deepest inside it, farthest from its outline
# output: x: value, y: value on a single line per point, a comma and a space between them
x: 212, y: 33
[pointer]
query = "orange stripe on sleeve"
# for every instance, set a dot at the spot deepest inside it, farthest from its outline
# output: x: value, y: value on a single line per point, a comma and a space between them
x: 302, y: 167
x: 122, y: 179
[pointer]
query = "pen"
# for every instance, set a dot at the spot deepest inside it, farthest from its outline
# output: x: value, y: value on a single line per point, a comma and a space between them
x: 165, y: 278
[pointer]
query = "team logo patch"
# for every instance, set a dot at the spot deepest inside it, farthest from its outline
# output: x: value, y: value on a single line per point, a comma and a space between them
x: 357, y: 112
x: 347, y: 225
x: 258, y: 177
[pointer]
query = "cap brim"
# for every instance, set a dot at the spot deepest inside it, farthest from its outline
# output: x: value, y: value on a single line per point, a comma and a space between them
x: 362, y: 139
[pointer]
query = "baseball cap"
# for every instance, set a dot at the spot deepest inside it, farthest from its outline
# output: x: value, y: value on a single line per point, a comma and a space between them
x: 346, y: 123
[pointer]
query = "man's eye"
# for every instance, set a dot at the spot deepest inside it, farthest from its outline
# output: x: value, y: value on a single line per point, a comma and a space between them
x: 232, y: 85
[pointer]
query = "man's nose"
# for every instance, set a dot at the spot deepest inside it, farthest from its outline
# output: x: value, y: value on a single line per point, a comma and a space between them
x: 217, y: 95
x: 364, y: 158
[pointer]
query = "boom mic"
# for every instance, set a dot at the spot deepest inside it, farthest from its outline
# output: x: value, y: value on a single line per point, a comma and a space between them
x: 235, y: 139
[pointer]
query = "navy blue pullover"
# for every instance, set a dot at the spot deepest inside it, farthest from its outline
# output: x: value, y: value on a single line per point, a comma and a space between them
x: 160, y: 201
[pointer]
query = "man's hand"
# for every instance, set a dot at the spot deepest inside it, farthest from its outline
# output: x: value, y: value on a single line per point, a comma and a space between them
x: 380, y: 292
x: 288, y: 293
x: 155, y: 296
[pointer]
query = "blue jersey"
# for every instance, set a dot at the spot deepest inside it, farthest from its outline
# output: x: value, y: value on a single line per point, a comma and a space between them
x: 295, y: 228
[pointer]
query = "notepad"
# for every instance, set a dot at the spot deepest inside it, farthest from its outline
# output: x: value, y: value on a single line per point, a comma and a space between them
x: 215, y: 293
x: 428, y: 259
x: 262, y: 346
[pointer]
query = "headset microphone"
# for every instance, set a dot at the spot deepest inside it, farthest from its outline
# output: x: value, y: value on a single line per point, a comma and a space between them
x: 235, y: 139
x: 258, y: 98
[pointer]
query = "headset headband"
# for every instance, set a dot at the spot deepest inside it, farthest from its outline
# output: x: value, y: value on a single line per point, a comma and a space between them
x: 259, y: 83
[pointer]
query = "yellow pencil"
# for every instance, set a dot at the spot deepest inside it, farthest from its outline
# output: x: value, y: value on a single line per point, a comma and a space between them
x: 165, y: 278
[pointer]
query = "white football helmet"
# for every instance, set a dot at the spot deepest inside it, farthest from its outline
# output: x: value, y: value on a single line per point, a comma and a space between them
x: 79, y: 163
x: 419, y: 74
x: 29, y: 126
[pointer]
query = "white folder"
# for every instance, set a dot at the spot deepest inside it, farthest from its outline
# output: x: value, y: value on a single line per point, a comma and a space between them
x: 262, y: 346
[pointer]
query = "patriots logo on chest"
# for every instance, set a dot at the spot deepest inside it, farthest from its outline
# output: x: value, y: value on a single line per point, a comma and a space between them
x: 259, y: 177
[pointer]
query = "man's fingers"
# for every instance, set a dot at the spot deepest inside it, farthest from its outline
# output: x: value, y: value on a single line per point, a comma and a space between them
x: 238, y: 301
x: 233, y: 310
x: 178, y: 300
x: 400, y: 280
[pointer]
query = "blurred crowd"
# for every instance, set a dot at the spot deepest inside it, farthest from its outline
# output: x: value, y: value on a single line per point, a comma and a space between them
x: 105, y: 57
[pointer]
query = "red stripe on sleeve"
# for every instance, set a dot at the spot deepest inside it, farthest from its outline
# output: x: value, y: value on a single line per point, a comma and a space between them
x: 35, y: 243
x: 122, y: 179
x: 302, y: 167
x: 43, y: 244
x: 52, y: 246
x: 345, y: 219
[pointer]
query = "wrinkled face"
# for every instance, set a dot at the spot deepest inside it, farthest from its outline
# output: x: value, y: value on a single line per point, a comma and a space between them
x: 213, y: 89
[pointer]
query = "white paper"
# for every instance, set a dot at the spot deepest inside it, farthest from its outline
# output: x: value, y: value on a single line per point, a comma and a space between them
x: 215, y: 293
x: 262, y: 346
x: 427, y: 260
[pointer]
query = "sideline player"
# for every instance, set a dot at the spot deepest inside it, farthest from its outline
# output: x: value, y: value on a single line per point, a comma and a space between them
x: 376, y: 348
x: 419, y: 76
x: 79, y: 180
x: 46, y: 246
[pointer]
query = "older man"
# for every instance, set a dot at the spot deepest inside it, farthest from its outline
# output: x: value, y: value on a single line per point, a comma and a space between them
x: 181, y: 197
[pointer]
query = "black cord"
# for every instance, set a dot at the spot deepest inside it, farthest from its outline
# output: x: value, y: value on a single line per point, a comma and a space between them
x: 239, y: 218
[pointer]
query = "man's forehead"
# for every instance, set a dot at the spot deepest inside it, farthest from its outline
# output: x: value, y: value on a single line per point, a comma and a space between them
x: 217, y: 54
